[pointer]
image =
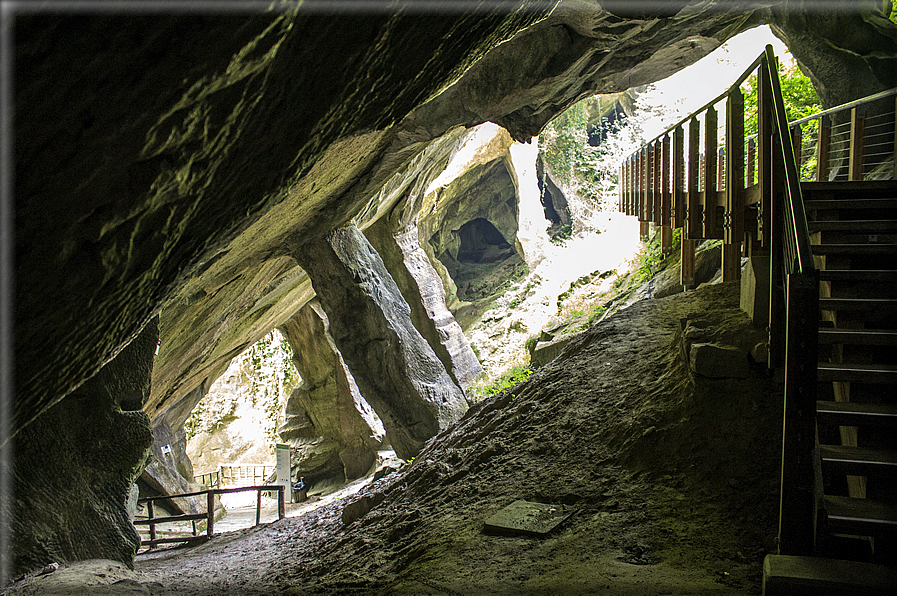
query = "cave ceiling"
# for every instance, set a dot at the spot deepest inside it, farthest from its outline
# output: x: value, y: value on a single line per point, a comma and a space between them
x: 171, y: 165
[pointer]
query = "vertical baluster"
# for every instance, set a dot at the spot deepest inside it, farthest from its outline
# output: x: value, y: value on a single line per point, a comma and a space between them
x: 152, y: 526
x: 823, y: 148
x: 751, y: 156
x: 656, y: 187
x: 894, y: 173
x: 210, y: 513
x: 694, y: 216
x: 764, y: 152
x: 711, y: 121
x: 797, y: 140
x: 666, y: 230
x: 649, y: 183
x: 857, y: 142
x: 734, y: 219
x: 678, y: 201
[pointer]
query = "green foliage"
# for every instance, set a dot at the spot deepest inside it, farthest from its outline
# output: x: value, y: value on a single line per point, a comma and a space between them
x: 267, y: 372
x: 516, y: 375
x: 564, y: 145
x: 559, y: 233
x: 797, y: 92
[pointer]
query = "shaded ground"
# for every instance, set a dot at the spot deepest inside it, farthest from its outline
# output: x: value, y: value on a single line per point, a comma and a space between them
x: 672, y: 481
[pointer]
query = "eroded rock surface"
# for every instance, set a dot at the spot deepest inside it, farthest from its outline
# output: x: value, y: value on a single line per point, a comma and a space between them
x: 397, y: 371
x: 331, y: 428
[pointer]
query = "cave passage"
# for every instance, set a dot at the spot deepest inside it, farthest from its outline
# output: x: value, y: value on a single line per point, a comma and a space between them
x: 481, y: 242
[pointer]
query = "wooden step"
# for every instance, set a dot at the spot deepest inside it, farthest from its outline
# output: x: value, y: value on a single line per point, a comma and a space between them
x: 785, y: 575
x: 856, y: 414
x: 876, y: 304
x: 857, y: 373
x: 854, y: 249
x: 858, y: 337
x: 828, y: 204
x: 859, y: 461
x: 870, y: 275
x: 860, y: 516
x: 854, y: 225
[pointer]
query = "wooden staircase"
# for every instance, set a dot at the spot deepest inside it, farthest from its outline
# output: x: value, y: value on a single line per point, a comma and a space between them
x: 853, y: 227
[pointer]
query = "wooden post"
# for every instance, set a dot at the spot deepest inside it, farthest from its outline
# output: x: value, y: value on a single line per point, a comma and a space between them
x: 764, y: 151
x: 657, y: 186
x: 678, y: 201
x: 665, y: 195
x: 639, y: 184
x: 894, y: 173
x: 797, y: 506
x: 797, y: 140
x: 649, y: 183
x: 751, y: 157
x: 630, y: 194
x: 687, y: 262
x: 152, y: 526
x: 694, y: 225
x: 734, y: 219
x: 258, y: 505
x: 823, y: 148
x: 210, y: 511
x: 857, y: 143
x: 281, y: 507
x: 711, y: 122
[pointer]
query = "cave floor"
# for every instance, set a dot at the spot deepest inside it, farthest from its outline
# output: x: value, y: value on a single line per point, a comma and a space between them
x: 672, y: 480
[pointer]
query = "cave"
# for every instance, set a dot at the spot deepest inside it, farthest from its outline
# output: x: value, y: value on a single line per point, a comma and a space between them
x: 185, y: 183
x: 480, y: 242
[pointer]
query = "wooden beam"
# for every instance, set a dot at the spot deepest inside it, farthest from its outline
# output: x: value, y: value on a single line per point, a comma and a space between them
x: 734, y: 219
x: 649, y: 183
x: 687, y: 262
x: 857, y: 143
x: 656, y: 184
x: 678, y: 201
x: 823, y: 149
x: 694, y: 223
x: 665, y: 194
x: 711, y: 122
x: 764, y: 153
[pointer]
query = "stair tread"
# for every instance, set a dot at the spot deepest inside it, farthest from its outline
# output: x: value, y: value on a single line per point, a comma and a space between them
x: 856, y: 303
x: 853, y: 225
x: 858, y: 373
x: 854, y: 249
x: 842, y: 203
x: 858, y: 274
x: 856, y: 414
x: 844, y: 453
x: 858, y: 336
x: 849, y: 510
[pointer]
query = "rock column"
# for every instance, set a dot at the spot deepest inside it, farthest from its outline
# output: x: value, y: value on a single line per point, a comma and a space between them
x: 395, y: 368
x: 332, y: 429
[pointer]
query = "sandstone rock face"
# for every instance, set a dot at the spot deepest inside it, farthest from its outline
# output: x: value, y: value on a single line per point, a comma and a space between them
x: 397, y: 371
x: 329, y: 425
x: 183, y: 178
x: 553, y: 200
x: 422, y: 288
x: 76, y: 464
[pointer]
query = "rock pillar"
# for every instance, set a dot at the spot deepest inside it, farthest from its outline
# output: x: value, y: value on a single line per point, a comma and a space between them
x: 395, y: 368
x: 422, y: 288
x: 75, y: 465
x: 333, y: 431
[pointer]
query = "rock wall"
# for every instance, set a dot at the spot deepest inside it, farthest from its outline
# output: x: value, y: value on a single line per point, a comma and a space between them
x: 75, y: 466
x: 397, y: 371
x: 177, y: 164
x: 333, y: 433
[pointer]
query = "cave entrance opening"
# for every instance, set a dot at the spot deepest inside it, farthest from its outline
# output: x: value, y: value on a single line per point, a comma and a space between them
x: 481, y: 242
x: 233, y: 429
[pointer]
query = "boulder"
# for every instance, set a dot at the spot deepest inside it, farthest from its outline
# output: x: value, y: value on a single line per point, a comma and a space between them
x: 717, y: 361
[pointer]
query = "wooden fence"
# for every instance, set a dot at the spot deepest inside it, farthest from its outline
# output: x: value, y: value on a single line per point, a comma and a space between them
x: 209, y: 515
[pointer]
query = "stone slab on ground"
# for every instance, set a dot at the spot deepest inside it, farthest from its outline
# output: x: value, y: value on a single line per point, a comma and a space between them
x: 525, y: 517
x: 799, y: 576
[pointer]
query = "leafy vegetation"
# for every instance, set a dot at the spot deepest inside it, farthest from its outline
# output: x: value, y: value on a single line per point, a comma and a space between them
x: 267, y: 375
x: 513, y: 377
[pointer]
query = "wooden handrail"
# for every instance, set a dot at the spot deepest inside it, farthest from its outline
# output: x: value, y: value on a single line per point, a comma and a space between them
x: 209, y: 516
x: 845, y: 106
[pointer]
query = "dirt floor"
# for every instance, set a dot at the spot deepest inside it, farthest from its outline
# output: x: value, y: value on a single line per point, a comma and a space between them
x: 671, y: 479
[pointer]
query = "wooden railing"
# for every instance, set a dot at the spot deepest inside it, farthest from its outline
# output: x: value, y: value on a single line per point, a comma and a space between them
x: 209, y: 515
x: 747, y: 192
x: 235, y: 475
